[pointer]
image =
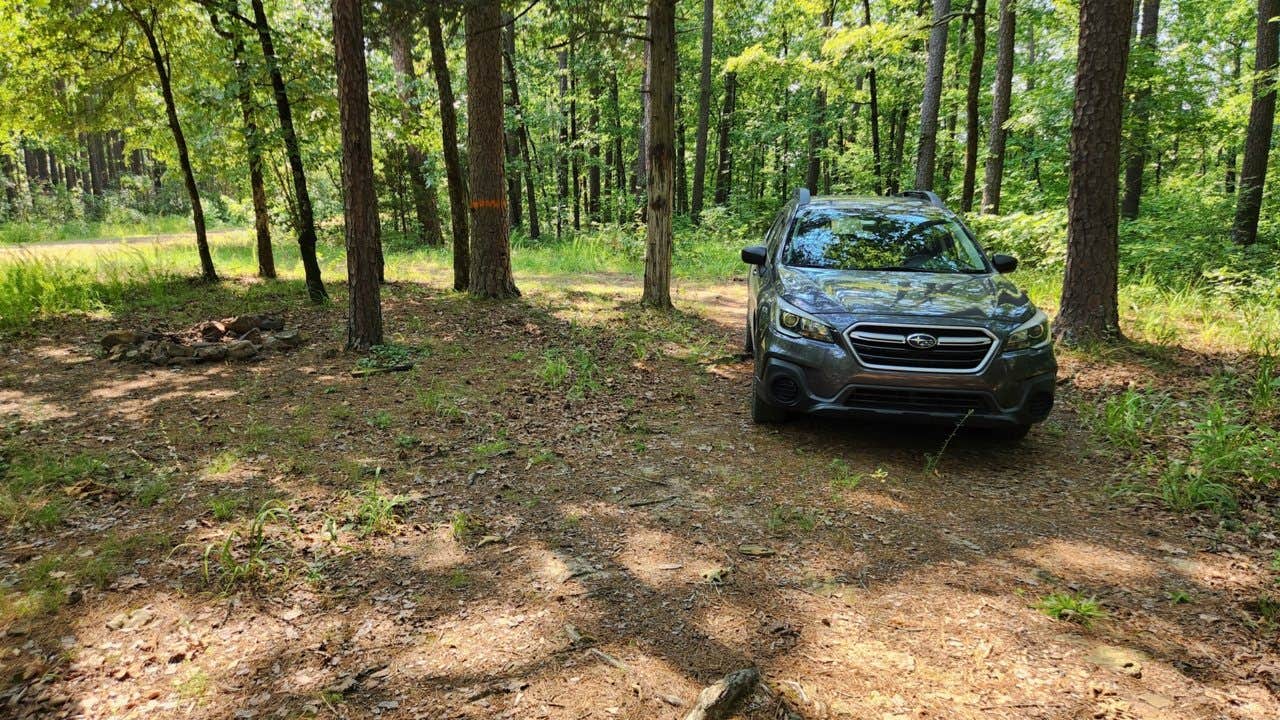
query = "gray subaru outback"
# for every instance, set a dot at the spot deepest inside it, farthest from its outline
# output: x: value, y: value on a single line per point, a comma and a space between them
x: 887, y: 307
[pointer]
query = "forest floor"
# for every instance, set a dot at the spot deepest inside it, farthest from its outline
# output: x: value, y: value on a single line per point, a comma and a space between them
x: 564, y: 511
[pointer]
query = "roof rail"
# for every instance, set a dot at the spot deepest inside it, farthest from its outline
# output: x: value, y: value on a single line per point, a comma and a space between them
x: 801, y: 196
x: 926, y: 195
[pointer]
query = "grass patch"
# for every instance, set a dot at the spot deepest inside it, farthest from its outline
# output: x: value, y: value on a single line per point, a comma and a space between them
x: 1127, y: 418
x: 376, y: 512
x: 1071, y: 607
x: 244, y: 556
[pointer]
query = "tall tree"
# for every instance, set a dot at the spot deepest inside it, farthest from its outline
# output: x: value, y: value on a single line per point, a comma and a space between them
x: 522, y: 128
x: 1140, y: 138
x: 704, y: 112
x: 293, y: 150
x: 724, y: 143
x: 1000, y: 97
x: 1257, y: 139
x: 490, y: 243
x: 515, y: 203
x: 971, y: 105
x: 252, y: 142
x: 359, y: 202
x: 927, y: 150
x: 146, y: 20
x: 874, y: 100
x: 660, y: 152
x: 426, y: 205
x: 1089, y: 309
x: 817, y: 124
x: 452, y: 162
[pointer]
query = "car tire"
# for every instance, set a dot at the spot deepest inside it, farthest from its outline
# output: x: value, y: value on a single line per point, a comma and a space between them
x: 763, y: 413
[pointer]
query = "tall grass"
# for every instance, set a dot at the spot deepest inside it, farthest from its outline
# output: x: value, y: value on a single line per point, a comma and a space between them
x: 17, y: 233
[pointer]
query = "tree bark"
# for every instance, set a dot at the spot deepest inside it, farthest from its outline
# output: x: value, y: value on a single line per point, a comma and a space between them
x: 724, y: 142
x: 1000, y: 98
x: 293, y: 150
x: 1089, y: 310
x: 522, y: 132
x: 452, y: 162
x: 490, y: 245
x: 562, y: 154
x: 1141, y: 136
x: 704, y: 112
x: 146, y: 23
x: 511, y: 139
x: 1257, y: 139
x: 425, y: 201
x: 252, y: 146
x: 817, y: 123
x: 927, y: 151
x: 1229, y: 180
x: 661, y: 172
x: 971, y: 105
x: 619, y: 163
x: 359, y: 201
x: 97, y: 175
x: 593, y: 169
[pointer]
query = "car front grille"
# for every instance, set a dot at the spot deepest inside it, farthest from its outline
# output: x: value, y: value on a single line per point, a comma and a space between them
x: 887, y: 398
x: 954, y: 349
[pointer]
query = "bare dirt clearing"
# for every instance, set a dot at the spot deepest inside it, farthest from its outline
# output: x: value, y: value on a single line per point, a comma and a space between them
x: 564, y: 511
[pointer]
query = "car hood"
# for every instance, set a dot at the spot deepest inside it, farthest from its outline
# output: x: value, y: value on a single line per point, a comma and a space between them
x: 916, y: 294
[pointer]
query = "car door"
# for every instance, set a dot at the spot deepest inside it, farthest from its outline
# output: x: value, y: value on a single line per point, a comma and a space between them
x: 759, y: 276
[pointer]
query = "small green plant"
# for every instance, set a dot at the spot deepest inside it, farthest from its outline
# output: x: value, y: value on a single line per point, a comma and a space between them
x: 555, y: 368
x: 222, y: 463
x: 1185, y: 489
x: 1268, y: 607
x: 242, y: 558
x: 842, y: 476
x: 458, y: 579
x: 931, y: 460
x: 461, y: 526
x: 1264, y: 394
x: 385, y: 357
x: 585, y: 371
x: 407, y: 442
x: 1178, y: 597
x: 381, y: 420
x: 438, y: 404
x: 492, y: 448
x: 782, y: 519
x: 194, y: 686
x: 1125, y: 419
x: 151, y: 490
x: 376, y: 513
x: 1071, y: 607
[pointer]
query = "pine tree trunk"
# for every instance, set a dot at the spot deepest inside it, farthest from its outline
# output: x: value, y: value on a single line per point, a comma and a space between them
x: 490, y: 245
x: 619, y: 162
x: 642, y: 127
x: 971, y: 119
x: 661, y: 171
x: 681, y: 169
x: 575, y: 160
x: 1000, y: 98
x: 724, y: 141
x: 927, y: 150
x: 593, y: 170
x: 1141, y: 136
x: 147, y: 25
x: 1089, y: 309
x: 562, y: 153
x: 704, y: 112
x: 452, y: 162
x: 425, y: 201
x: 1257, y: 142
x: 359, y: 201
x: 522, y: 134
x: 302, y: 198
x: 97, y: 174
x: 875, y: 110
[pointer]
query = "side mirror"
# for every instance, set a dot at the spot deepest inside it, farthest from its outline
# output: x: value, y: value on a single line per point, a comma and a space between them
x: 755, y: 254
x: 1002, y: 263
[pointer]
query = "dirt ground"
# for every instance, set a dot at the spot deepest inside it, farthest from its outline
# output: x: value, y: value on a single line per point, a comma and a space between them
x: 589, y: 526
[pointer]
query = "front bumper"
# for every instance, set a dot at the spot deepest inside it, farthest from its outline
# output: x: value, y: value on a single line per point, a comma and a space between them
x: 804, y: 376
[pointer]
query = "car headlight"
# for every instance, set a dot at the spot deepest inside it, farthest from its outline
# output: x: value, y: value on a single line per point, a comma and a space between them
x: 1032, y: 333
x: 796, y: 323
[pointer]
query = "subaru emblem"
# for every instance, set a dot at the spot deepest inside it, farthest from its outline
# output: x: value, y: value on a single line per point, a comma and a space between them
x: 922, y: 341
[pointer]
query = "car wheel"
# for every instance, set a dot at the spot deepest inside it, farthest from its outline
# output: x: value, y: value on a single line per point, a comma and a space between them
x: 762, y: 413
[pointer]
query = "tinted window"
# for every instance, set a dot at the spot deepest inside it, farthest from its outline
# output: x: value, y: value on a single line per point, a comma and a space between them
x: 846, y: 239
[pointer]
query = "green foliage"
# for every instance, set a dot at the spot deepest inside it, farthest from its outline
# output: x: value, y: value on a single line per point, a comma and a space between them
x: 1128, y: 418
x: 1071, y: 607
x: 376, y: 512
x: 244, y: 557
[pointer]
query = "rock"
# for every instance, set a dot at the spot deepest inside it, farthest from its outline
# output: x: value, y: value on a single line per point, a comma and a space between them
x: 173, y: 349
x: 270, y: 343
x: 212, y: 330
x: 289, y: 338
x: 120, y: 337
x: 240, y: 325
x: 209, y: 351
x: 722, y: 699
x: 1119, y: 659
x: 271, y: 324
x: 241, y: 350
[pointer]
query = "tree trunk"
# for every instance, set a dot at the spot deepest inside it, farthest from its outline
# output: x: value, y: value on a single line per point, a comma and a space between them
x: 425, y: 202
x: 302, y: 198
x: 452, y: 162
x: 522, y: 132
x: 681, y: 168
x: 704, y: 112
x: 971, y: 105
x: 147, y: 26
x: 562, y: 153
x: 661, y: 172
x: 593, y: 170
x: 619, y: 163
x: 1089, y: 311
x: 927, y: 151
x: 511, y: 139
x: 9, y: 178
x: 724, y: 141
x: 491, y: 261
x: 97, y: 174
x: 1229, y: 181
x: 1257, y: 139
x: 359, y: 201
x: 898, y: 149
x: 252, y: 146
x: 1000, y: 97
x: 642, y: 127
x: 875, y: 109
x: 1141, y: 136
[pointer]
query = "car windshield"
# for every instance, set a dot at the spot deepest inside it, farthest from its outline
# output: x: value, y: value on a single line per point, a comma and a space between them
x: 890, y: 240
